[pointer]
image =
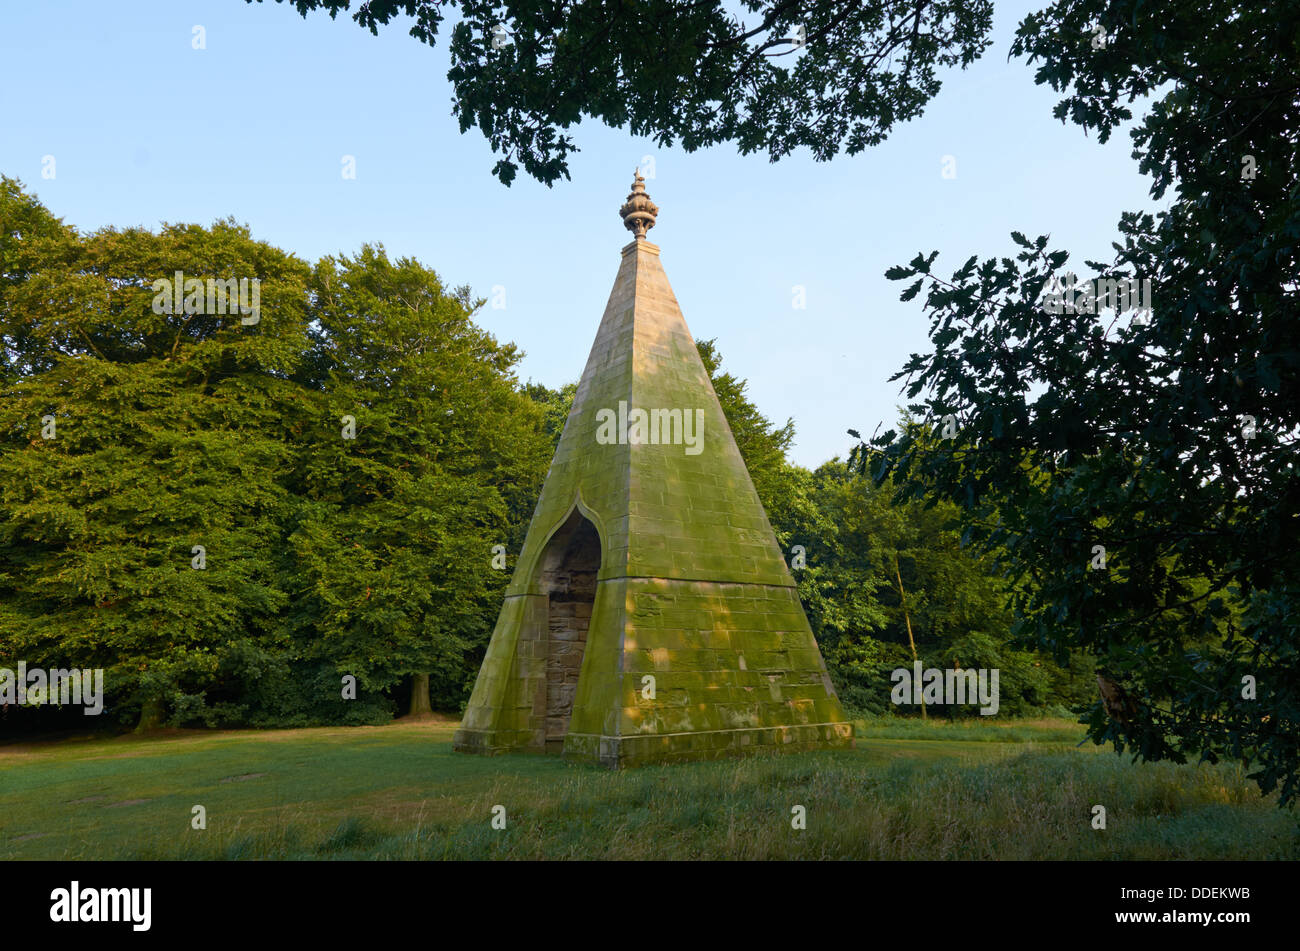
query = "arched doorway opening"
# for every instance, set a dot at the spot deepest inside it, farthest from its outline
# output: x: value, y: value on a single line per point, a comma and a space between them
x: 569, y: 568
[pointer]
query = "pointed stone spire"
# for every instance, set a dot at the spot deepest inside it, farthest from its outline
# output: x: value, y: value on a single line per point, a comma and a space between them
x: 638, y: 212
x: 651, y: 616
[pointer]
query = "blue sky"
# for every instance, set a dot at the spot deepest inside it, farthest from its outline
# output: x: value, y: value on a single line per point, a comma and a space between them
x: 146, y: 129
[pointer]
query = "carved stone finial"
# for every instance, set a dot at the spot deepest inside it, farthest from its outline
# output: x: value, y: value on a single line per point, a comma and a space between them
x: 638, y: 212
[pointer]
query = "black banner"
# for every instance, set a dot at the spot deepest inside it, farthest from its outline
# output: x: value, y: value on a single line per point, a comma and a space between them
x: 143, y: 900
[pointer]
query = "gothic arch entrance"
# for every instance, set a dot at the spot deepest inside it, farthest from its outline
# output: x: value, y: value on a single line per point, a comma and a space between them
x: 569, y: 566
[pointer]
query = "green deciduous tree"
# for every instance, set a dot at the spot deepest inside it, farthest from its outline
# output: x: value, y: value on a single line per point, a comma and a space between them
x: 423, y: 448
x: 178, y: 503
x: 862, y: 546
x: 129, y: 437
x: 822, y: 74
x: 1166, y: 445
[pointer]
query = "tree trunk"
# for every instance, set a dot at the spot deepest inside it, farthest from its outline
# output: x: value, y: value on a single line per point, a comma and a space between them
x: 420, y: 706
x: 151, y: 715
x: 902, y: 598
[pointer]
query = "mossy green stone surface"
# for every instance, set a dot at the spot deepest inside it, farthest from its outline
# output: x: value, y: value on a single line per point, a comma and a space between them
x: 692, y: 588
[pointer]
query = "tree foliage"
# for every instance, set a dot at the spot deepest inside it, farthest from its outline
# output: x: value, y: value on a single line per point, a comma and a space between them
x: 128, y: 437
x: 1166, y: 444
x: 822, y: 74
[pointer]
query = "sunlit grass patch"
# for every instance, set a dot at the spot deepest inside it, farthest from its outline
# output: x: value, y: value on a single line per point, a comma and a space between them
x: 937, y: 790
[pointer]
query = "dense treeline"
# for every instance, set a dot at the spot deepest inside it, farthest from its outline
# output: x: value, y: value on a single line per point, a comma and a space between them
x: 232, y: 512
x: 229, y: 516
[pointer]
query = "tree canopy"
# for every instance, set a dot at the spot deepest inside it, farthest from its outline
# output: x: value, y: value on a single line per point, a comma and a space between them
x: 229, y: 517
x: 827, y: 75
x: 1140, y: 467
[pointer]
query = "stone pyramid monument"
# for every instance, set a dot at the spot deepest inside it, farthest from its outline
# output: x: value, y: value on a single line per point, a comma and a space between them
x: 651, y: 616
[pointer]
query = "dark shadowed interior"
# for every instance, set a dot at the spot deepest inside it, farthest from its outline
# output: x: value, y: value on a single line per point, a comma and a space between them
x: 569, y: 578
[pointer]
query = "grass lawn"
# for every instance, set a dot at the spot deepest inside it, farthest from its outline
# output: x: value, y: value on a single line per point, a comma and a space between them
x: 1019, y: 790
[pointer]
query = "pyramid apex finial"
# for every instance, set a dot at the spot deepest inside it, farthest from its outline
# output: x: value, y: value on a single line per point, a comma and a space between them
x: 638, y: 212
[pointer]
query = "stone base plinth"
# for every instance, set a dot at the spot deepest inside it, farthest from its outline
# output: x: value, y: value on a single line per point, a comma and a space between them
x: 617, y: 752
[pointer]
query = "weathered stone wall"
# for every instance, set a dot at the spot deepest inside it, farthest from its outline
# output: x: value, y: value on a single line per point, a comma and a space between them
x: 572, y: 593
